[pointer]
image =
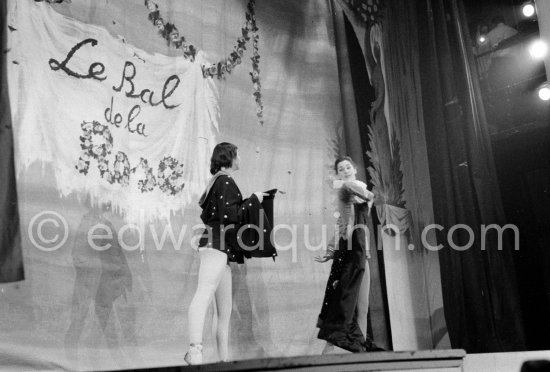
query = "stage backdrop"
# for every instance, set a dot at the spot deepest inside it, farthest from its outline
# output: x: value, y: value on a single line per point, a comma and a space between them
x: 106, y: 110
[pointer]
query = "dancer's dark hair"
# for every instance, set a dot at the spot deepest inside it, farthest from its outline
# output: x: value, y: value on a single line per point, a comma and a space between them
x: 341, y: 159
x: 222, y: 157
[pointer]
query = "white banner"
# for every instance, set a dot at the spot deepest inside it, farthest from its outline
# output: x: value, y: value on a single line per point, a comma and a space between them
x: 116, y: 122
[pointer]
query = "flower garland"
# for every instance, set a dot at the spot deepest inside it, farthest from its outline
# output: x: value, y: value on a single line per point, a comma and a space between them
x: 149, y: 183
x: 169, y: 175
x: 169, y: 31
x: 121, y: 171
x: 94, y: 151
x: 99, y: 152
x: 169, y: 172
x: 171, y: 34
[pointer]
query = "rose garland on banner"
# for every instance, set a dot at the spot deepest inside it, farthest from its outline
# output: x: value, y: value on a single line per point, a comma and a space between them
x: 121, y: 171
x: 171, y: 34
x: 149, y: 183
x: 168, y: 173
x: 97, y: 143
x: 97, y: 151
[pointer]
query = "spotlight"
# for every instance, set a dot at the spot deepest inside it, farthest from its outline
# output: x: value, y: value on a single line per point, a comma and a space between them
x: 482, y: 39
x: 528, y: 9
x: 544, y: 91
x: 538, y: 49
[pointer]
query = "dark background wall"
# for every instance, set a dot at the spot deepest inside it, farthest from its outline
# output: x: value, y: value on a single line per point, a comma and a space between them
x: 520, y: 138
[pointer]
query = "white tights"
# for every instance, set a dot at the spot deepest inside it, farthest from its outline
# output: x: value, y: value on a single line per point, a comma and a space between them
x: 214, y: 279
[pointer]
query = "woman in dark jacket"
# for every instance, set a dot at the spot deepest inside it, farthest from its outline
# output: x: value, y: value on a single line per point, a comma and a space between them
x: 223, y: 211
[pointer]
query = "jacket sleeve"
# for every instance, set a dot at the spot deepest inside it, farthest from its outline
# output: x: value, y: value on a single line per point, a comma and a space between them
x: 230, y: 206
x: 360, y: 190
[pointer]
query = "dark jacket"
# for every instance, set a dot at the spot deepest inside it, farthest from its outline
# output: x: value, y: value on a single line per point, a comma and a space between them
x: 234, y: 224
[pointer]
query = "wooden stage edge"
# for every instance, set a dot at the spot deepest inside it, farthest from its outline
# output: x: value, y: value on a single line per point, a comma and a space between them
x: 423, y: 360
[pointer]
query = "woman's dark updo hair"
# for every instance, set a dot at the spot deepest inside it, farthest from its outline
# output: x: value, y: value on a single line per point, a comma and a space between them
x: 341, y: 159
x: 222, y: 157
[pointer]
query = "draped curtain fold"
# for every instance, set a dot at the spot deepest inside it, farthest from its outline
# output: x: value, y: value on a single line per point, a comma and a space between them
x: 353, y: 83
x: 405, y: 166
x: 479, y: 286
x: 11, y: 259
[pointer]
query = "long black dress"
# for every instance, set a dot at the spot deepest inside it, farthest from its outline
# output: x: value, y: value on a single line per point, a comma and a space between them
x: 338, y: 318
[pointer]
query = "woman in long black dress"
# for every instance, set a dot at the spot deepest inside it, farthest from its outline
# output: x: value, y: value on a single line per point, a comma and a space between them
x: 223, y: 212
x: 347, y: 292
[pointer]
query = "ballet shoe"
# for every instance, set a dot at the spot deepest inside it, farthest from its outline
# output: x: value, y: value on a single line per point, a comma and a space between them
x: 194, y: 355
x: 329, y: 348
x: 371, y: 346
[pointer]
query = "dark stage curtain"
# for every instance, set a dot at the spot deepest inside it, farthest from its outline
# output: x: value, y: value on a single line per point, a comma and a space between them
x: 356, y: 96
x: 479, y: 286
x: 11, y: 261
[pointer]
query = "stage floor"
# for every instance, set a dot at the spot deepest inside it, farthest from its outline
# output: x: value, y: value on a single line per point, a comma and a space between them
x: 411, y: 361
x: 425, y: 361
x: 501, y: 362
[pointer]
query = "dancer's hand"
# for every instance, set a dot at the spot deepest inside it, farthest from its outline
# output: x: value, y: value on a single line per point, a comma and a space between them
x: 325, y: 258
